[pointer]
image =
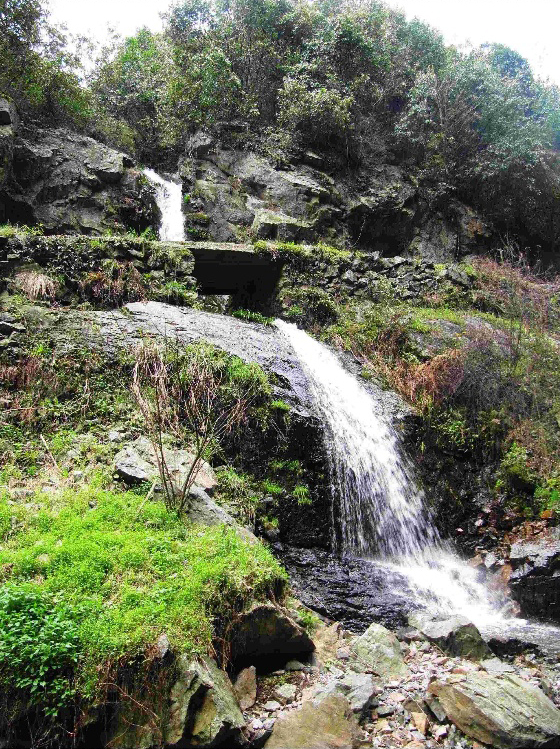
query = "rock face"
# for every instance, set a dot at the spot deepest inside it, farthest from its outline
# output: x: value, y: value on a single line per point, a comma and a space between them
x: 381, y: 210
x: 267, y: 631
x: 456, y: 636
x: 378, y: 651
x: 327, y: 724
x: 9, y: 124
x: 503, y: 711
x: 535, y: 577
x: 73, y: 184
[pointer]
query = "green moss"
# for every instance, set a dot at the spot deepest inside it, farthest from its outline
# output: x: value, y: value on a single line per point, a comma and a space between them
x: 125, y: 571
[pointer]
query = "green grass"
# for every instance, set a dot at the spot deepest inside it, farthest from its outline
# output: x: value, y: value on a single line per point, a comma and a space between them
x: 122, y: 571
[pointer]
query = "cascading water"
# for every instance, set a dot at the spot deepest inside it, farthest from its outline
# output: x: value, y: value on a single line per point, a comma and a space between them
x: 382, y: 512
x: 169, y: 201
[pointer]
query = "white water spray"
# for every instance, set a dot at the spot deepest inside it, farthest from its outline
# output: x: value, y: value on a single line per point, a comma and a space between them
x: 383, y: 516
x: 169, y: 201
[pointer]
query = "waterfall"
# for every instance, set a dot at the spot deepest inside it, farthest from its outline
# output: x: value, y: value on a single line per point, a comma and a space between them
x: 383, y: 516
x: 169, y: 201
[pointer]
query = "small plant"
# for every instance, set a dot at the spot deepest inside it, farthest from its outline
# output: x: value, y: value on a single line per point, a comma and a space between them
x: 250, y: 316
x: 270, y: 487
x: 280, y: 405
x: 301, y: 494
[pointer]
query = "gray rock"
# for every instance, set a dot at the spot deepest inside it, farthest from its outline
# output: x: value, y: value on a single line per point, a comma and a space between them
x: 360, y: 690
x: 502, y: 711
x: 73, y: 184
x: 286, y: 693
x: 202, y: 712
x: 200, y: 144
x: 294, y: 665
x: 137, y: 462
x: 245, y: 688
x: 496, y: 667
x: 269, y: 224
x: 272, y: 706
x: 267, y: 630
x: 209, y: 722
x: 328, y: 724
x: 456, y: 636
x: 378, y: 651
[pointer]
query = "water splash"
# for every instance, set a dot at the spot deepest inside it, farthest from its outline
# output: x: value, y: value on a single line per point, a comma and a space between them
x: 169, y: 201
x: 383, y: 516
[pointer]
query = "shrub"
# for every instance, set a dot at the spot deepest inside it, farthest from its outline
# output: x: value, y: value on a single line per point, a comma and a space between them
x: 198, y: 394
x: 114, y: 284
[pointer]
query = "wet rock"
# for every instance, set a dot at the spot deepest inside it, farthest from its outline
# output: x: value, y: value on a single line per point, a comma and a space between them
x: 328, y: 724
x: 536, y: 567
x: 351, y: 591
x: 245, y: 688
x: 378, y: 651
x: 503, y: 711
x: 267, y: 631
x: 456, y: 636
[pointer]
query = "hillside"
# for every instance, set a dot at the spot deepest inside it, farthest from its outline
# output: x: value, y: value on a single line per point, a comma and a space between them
x: 280, y: 425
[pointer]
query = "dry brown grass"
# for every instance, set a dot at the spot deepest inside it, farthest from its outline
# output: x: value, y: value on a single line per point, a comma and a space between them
x: 35, y: 285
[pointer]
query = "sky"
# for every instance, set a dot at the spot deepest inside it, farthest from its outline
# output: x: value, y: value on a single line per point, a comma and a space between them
x: 531, y: 27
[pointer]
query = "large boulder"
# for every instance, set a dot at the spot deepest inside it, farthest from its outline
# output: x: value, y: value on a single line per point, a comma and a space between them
x: 455, y: 635
x: 204, y: 711
x: 378, y: 651
x: 503, y: 711
x: 325, y: 724
x: 267, y: 631
x: 198, y: 709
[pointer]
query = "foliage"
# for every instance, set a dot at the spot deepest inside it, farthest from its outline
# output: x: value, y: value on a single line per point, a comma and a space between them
x: 94, y: 577
x: 39, y: 647
x: 37, y: 70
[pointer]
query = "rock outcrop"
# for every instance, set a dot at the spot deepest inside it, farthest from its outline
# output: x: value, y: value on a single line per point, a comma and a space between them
x: 70, y: 183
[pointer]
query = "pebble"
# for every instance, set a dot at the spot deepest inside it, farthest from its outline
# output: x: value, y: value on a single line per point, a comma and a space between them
x: 271, y: 706
x: 268, y: 724
x: 257, y: 724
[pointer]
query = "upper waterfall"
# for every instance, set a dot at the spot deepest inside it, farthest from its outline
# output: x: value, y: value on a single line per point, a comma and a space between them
x: 169, y: 201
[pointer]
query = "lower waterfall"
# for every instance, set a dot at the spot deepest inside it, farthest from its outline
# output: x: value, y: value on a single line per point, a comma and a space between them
x: 383, y: 514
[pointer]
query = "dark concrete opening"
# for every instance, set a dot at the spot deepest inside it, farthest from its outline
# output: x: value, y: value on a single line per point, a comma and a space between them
x: 237, y: 270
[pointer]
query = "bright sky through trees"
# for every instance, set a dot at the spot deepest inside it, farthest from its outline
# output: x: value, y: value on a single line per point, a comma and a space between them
x: 529, y: 27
